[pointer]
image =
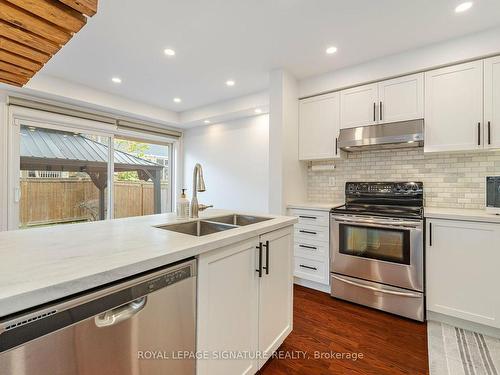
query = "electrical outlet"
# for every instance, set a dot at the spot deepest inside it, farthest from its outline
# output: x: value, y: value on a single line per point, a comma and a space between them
x: 331, y: 181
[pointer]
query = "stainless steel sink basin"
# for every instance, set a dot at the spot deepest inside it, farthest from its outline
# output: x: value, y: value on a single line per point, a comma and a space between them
x: 239, y: 220
x: 198, y: 228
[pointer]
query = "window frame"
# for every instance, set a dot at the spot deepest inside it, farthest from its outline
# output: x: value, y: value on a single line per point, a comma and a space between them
x: 16, y: 116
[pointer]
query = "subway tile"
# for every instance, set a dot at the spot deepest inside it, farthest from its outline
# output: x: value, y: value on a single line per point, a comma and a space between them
x: 450, y: 180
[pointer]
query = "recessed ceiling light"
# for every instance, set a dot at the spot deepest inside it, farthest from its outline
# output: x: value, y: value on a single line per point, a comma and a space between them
x: 207, y: 121
x: 230, y: 83
x: 169, y: 52
x: 331, y: 50
x: 116, y: 80
x: 258, y: 111
x: 463, y: 7
x: 177, y: 100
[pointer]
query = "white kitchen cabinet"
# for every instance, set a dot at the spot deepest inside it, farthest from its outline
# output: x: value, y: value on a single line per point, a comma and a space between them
x: 401, y: 99
x: 358, y: 106
x: 276, y: 293
x: 398, y: 99
x: 462, y: 261
x: 492, y: 102
x: 454, y: 108
x: 239, y: 311
x: 312, y: 248
x: 228, y: 297
x: 319, y: 124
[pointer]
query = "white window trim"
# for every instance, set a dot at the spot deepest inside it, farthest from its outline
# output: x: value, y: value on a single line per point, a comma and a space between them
x: 4, y: 118
x: 30, y: 117
x: 9, y: 158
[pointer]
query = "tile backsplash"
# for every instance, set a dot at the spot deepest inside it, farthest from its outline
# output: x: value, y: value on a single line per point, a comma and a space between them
x: 455, y: 180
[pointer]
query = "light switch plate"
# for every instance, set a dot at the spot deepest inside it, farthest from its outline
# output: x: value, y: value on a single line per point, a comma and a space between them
x: 331, y: 181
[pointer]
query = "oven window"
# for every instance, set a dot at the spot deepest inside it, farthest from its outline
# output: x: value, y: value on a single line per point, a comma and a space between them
x: 392, y: 245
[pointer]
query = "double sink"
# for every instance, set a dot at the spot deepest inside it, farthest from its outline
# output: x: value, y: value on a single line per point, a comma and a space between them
x: 214, y: 225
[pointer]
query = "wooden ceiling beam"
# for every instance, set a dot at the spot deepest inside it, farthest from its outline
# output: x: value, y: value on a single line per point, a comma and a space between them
x: 16, y: 69
x: 20, y: 61
x: 19, y: 49
x: 53, y: 11
x: 6, y: 81
x: 87, y: 7
x: 32, y: 31
x: 25, y: 20
x: 8, y: 76
x: 27, y: 38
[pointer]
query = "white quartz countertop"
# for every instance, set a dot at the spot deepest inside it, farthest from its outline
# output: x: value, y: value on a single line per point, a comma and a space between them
x: 461, y: 214
x: 41, y: 265
x: 319, y: 206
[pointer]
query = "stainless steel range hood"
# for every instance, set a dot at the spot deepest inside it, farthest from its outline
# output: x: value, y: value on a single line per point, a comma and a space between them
x: 383, y: 136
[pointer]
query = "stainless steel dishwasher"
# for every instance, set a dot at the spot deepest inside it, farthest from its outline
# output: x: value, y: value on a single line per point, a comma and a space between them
x: 142, y: 326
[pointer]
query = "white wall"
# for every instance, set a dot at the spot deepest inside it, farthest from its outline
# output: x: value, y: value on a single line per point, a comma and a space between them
x: 469, y: 47
x: 287, y: 176
x: 225, y: 111
x: 235, y: 161
x: 74, y: 93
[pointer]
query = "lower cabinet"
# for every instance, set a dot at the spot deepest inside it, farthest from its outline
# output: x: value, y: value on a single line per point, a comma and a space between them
x: 463, y: 270
x: 244, y: 303
x: 312, y: 248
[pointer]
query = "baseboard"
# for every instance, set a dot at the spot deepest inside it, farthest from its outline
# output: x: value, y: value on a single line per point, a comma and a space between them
x: 312, y: 285
x: 465, y: 324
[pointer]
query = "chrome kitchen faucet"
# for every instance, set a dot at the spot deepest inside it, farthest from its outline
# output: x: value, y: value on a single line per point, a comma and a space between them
x: 198, y: 186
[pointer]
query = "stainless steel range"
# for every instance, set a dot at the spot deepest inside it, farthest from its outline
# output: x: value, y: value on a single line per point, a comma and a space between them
x: 377, y: 247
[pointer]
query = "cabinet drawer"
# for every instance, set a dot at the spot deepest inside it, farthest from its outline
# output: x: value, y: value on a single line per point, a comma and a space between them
x: 310, y: 217
x: 313, y: 270
x: 311, y: 250
x: 311, y: 232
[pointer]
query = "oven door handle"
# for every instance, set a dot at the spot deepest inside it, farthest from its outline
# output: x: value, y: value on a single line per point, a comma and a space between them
x: 393, y: 292
x: 399, y: 224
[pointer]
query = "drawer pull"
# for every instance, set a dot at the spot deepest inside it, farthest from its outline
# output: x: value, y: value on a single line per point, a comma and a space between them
x: 307, y: 231
x: 307, y: 217
x: 308, y: 267
x: 308, y: 247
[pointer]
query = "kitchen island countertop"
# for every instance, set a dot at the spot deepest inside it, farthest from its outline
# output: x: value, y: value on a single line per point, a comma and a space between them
x: 41, y: 265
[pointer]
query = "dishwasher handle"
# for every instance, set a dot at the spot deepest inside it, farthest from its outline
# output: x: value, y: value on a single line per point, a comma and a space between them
x: 119, y: 314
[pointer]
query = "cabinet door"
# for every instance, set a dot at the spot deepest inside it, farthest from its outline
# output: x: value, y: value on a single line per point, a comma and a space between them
x: 358, y: 106
x: 454, y: 108
x: 227, y: 308
x: 276, y: 291
x: 462, y: 270
x: 492, y: 102
x: 401, y: 99
x: 319, y: 124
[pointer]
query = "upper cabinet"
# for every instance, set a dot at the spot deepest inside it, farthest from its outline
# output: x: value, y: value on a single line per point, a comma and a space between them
x: 319, y: 122
x: 359, y: 106
x: 492, y: 102
x: 394, y: 100
x: 401, y: 99
x: 454, y: 108
x: 460, y: 105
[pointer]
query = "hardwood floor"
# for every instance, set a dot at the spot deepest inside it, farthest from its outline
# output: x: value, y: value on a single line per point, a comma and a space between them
x: 389, y: 344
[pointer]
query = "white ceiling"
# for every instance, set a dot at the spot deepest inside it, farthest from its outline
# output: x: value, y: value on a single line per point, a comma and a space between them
x: 216, y: 40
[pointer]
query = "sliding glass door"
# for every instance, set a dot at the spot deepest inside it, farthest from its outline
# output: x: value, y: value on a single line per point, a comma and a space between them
x: 62, y: 173
x: 142, y: 183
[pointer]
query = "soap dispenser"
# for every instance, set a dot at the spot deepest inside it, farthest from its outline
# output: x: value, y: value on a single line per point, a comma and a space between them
x: 183, y: 206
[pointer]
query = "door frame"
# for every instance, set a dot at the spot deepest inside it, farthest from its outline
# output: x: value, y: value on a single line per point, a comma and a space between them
x: 17, y: 116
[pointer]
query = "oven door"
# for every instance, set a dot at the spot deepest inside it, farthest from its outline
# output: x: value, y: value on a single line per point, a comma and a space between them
x: 383, y: 250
